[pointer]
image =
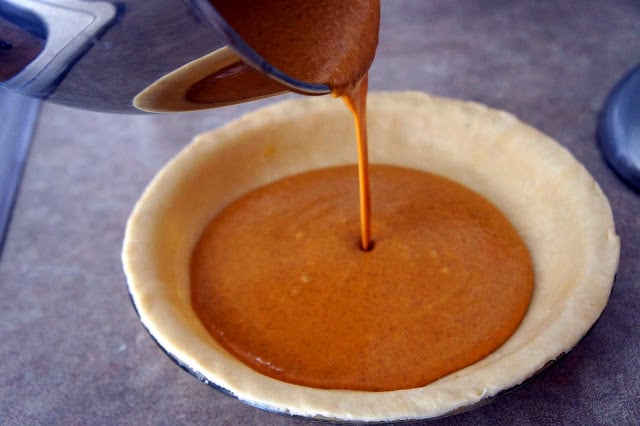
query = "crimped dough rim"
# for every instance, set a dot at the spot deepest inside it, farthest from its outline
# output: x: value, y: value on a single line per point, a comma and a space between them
x: 559, y: 210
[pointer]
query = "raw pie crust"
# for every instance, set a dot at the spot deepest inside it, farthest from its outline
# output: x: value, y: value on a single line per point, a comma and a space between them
x: 550, y: 198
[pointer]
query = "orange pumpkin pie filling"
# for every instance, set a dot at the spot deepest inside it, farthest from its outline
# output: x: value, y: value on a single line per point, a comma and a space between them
x: 278, y: 278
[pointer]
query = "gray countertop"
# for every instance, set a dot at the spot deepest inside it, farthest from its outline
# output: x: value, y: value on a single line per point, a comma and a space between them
x: 72, y: 349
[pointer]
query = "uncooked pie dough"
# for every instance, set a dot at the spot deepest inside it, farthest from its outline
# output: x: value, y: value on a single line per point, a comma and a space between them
x: 549, y: 197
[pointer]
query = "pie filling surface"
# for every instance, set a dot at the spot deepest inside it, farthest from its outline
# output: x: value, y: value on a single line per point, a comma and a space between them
x: 280, y: 280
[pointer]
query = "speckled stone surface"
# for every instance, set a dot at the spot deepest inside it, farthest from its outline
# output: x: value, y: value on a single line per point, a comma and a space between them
x: 72, y: 349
